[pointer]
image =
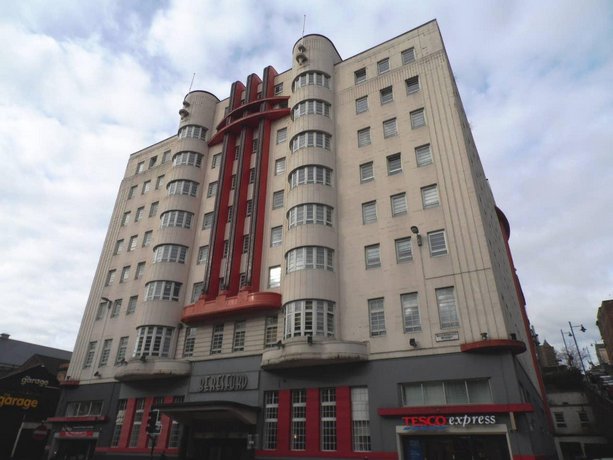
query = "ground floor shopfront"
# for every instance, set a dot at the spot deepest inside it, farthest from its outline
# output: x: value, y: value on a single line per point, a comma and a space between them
x: 445, y: 407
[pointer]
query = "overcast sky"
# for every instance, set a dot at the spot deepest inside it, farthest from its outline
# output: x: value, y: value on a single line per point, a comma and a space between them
x: 84, y: 84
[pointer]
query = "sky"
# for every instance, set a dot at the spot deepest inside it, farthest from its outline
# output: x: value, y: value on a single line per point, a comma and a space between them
x: 85, y: 84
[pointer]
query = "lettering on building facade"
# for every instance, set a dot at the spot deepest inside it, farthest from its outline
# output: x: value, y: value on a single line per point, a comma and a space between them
x: 223, y: 382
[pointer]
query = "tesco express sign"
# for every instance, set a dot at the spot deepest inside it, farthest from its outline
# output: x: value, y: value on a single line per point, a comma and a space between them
x: 445, y: 421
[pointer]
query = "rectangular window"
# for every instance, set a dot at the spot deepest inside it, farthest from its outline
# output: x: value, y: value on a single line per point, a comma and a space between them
x: 166, y: 156
x: 106, y: 352
x: 230, y: 211
x: 399, y: 204
x: 132, y: 191
x: 429, y: 196
x: 203, y: 255
x: 176, y: 428
x: 125, y: 274
x: 215, y: 161
x: 475, y: 391
x: 584, y: 419
x: 408, y: 56
x: 119, y: 419
x: 386, y: 95
x: 394, y: 164
x: 447, y: 310
x: 249, y: 209
x: 360, y: 75
x: 279, y: 166
x: 197, y: 291
x: 276, y: 236
x: 277, y: 199
x: 125, y: 220
x: 376, y: 316
x: 389, y: 128
x: 212, y: 190
x: 207, y: 222
x: 369, y: 212
x: 137, y: 422
x: 404, y: 252
x: 281, y: 135
x: 255, y: 145
x: 110, y: 277
x: 360, y: 420
x: 140, y: 270
x: 159, y: 182
x: 327, y: 410
x: 245, y: 244
x: 274, y: 276
x: 372, y: 256
x: 233, y: 182
x: 418, y: 118
x: 118, y: 247
x: 140, y: 167
x: 146, y: 187
x: 102, y: 308
x: 132, y: 305
x: 278, y: 89
x: 190, y: 342
x: 121, y: 350
x: 217, y: 339
x: 271, y: 420
x: 383, y: 66
x: 423, y: 155
x: 410, y: 312
x: 363, y: 137
x: 139, y: 214
x: 116, y: 308
x: 252, y: 175
x: 298, y: 433
x: 559, y: 419
x: 148, y: 235
x: 226, y: 248
x: 133, y: 243
x: 412, y: 84
x: 437, y: 243
x: 238, y: 341
x: 237, y: 150
x: 270, y: 331
x: 153, y: 210
x: 367, y: 172
x: 361, y: 104
x: 89, y: 354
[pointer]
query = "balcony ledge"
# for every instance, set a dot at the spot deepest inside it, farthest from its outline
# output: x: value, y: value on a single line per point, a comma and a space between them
x: 153, y: 368
x: 494, y: 346
x: 298, y: 352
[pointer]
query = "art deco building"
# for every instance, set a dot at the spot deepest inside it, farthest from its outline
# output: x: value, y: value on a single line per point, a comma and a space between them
x: 314, y: 267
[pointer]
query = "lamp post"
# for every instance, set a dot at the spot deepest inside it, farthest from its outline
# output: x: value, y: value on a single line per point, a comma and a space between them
x: 568, y: 355
x: 572, y: 331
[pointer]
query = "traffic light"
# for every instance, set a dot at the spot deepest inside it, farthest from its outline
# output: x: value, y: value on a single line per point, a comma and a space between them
x: 152, y: 422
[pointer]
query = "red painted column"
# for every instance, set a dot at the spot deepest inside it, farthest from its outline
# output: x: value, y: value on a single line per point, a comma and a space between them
x: 128, y: 419
x: 284, y: 418
x: 343, y: 420
x: 142, y: 437
x: 312, y: 420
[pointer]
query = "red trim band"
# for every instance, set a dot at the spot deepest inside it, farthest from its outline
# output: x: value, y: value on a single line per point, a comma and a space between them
x: 86, y: 418
x: 459, y: 409
x: 493, y: 346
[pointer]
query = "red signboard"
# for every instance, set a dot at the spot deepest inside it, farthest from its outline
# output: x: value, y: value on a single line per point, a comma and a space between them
x: 77, y: 434
x: 40, y: 433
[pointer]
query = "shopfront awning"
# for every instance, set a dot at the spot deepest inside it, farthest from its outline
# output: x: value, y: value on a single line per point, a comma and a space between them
x: 213, y: 411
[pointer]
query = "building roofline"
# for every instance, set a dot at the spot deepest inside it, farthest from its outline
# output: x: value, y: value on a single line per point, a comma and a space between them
x: 152, y: 145
x: 201, y: 91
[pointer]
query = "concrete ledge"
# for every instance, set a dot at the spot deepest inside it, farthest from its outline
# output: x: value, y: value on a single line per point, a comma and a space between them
x: 313, y: 351
x: 153, y: 367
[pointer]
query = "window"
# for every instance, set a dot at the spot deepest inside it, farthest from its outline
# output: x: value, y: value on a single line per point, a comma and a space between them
x: 118, y: 247
x: 386, y: 95
x: 255, y: 144
x: 383, y: 66
x: 89, y: 354
x: 233, y: 182
x: 363, y: 137
x: 176, y: 428
x: 475, y: 391
x: 133, y: 243
x: 140, y: 167
x: 410, y: 312
x: 193, y: 131
x: 437, y: 243
x: 146, y: 187
x: 169, y: 253
x: 207, y: 222
x: 447, y: 310
x: 311, y: 107
x: 165, y: 156
x: 159, y: 182
x: 360, y: 420
x: 298, y: 434
x: 252, y: 176
x: 116, y: 308
x: 278, y: 89
x: 274, y: 276
x: 311, y: 174
x: 83, y: 408
x: 559, y: 419
x: 423, y: 155
x: 389, y: 128
x: 132, y: 191
x: 137, y: 422
x: 181, y: 219
x: 394, y: 164
x: 212, y: 190
x: 183, y: 187
x: 162, y: 290
x: 153, y: 341
x: 270, y: 331
x: 147, y: 238
x: 412, y: 84
x: 361, y: 104
x: 153, y: 210
x: 276, y: 236
x: 125, y: 220
x: 238, y: 341
x: 327, y: 410
x: 237, y: 149
x: 139, y: 214
x: 226, y: 248
x: 121, y: 350
x: 309, y: 257
x: 310, y: 213
x: 369, y: 212
x: 418, y: 118
x: 404, y: 252
x: 271, y: 420
x: 367, y: 172
x: 106, y: 352
x: 311, y: 78
x: 249, y: 209
x: 584, y: 419
x: 277, y: 199
x: 376, y: 316
x: 408, y: 56
x: 360, y: 75
x: 245, y: 244
x: 203, y: 255
x: 132, y: 305
x: 311, y: 139
x: 110, y: 277
x: 102, y: 307
x: 242, y: 279
x: 399, y: 204
x: 309, y: 317
x: 215, y: 161
x: 217, y: 339
x: 429, y: 196
x: 190, y: 342
x: 197, y: 291
x: 372, y: 255
x: 279, y: 166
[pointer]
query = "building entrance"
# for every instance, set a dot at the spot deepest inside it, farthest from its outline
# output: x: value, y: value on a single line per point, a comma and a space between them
x: 456, y: 447
x: 75, y: 449
x: 222, y: 449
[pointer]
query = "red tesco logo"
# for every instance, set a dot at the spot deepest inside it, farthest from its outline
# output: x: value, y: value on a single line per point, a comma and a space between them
x: 432, y: 420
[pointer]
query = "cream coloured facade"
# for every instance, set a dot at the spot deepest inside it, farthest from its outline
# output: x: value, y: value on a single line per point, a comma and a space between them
x: 326, y: 236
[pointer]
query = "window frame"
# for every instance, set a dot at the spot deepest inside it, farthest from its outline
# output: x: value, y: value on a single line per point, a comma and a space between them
x: 372, y: 260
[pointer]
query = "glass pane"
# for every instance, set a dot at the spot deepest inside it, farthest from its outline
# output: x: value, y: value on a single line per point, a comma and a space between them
x: 479, y: 391
x: 456, y: 392
x: 413, y: 395
x: 433, y: 394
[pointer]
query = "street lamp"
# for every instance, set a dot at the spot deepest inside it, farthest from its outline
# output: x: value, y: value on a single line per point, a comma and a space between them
x: 572, y: 331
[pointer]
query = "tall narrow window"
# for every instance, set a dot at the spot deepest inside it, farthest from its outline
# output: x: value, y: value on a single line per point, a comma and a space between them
x: 277, y: 199
x: 412, y: 84
x: 118, y: 247
x: 270, y: 331
x: 410, y: 312
x: 369, y: 212
x: 217, y: 339
x: 132, y: 305
x: 363, y: 137
x: 448, y: 314
x: 203, y: 255
x: 159, y: 182
x: 418, y: 118
x: 389, y: 128
x: 137, y: 422
x: 119, y: 419
x: 215, y: 161
x: 399, y: 204
x: 394, y: 164
x: 360, y: 75
x: 278, y: 89
x: 147, y: 236
x: 238, y: 341
x: 404, y: 252
x: 372, y: 256
x: 207, y: 222
x: 140, y: 167
x: 437, y: 243
x: 408, y: 56
x: 110, y: 277
x: 132, y: 191
x: 386, y: 95
x: 274, y: 276
x: 376, y: 314
x: 276, y: 236
x: 360, y: 420
x: 125, y: 220
x: 140, y: 270
x: 176, y: 428
x: 361, y: 104
x: 105, y: 353
x: 190, y: 342
x: 279, y: 166
x: 89, y: 355
x: 271, y: 419
x: 197, y: 291
x: 121, y: 350
x: 281, y: 135
x: 116, y: 308
x: 153, y: 210
x: 139, y: 214
x: 367, y: 172
x: 423, y: 155
x: 328, y: 418
x: 133, y: 243
x: 429, y: 196
x: 298, y: 433
x: 212, y: 190
x: 146, y: 187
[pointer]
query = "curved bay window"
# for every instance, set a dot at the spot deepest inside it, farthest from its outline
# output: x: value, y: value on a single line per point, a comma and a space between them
x: 309, y: 257
x: 187, y: 159
x: 311, y: 107
x: 311, y: 139
x: 153, y: 341
x: 309, y: 317
x: 310, y: 213
x: 183, y: 187
x: 311, y: 174
x: 169, y: 253
x: 193, y: 131
x: 311, y: 78
x: 177, y: 218
x: 162, y: 290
